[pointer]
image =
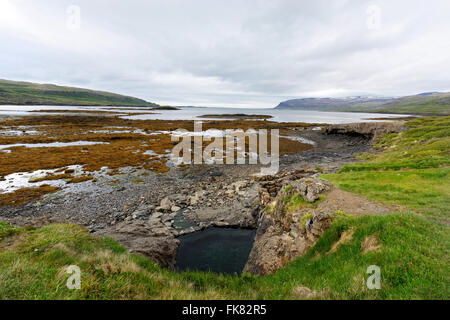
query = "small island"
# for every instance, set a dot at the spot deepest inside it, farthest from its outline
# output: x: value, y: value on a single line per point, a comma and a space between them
x: 165, y: 108
x: 236, y: 116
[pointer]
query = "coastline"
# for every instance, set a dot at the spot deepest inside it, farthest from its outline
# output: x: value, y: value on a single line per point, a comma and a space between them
x: 130, y: 193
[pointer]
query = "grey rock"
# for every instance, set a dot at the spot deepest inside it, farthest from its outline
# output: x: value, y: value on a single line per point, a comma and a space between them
x: 272, y: 248
x: 150, y: 238
x: 165, y: 204
x: 303, y: 292
x: 157, y: 214
x: 310, y: 188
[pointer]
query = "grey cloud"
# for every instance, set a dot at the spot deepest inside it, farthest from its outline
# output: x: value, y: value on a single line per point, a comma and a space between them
x: 230, y: 53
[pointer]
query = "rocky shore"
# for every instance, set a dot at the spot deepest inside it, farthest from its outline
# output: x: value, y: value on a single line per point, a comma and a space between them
x: 146, y: 212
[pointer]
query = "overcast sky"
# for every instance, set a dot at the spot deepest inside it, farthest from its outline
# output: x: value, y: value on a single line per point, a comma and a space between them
x: 229, y: 53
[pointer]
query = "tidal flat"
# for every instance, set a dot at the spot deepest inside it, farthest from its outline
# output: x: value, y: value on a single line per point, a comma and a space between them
x: 99, y: 143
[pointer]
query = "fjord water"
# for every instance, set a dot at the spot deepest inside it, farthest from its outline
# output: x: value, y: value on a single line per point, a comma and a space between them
x: 221, y: 250
x: 279, y: 115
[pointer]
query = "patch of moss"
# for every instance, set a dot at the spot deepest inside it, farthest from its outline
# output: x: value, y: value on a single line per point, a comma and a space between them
x: 25, y: 194
x: 304, y: 219
x: 342, y: 214
x: 51, y: 177
x: 293, y: 203
x: 270, y: 208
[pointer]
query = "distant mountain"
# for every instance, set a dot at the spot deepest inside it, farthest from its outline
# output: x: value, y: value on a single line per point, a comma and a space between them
x: 423, y: 103
x: 334, y: 103
x: 427, y: 93
x: 28, y: 93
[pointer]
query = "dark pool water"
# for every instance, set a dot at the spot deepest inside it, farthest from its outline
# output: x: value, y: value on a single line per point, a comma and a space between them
x: 221, y: 250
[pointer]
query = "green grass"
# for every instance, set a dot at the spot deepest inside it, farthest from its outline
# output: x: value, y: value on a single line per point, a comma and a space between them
x: 294, y: 202
x: 427, y: 191
x: 27, y: 93
x: 412, y: 254
x: 429, y: 108
x: 410, y: 169
x: 6, y: 230
x: 411, y: 259
x: 304, y: 219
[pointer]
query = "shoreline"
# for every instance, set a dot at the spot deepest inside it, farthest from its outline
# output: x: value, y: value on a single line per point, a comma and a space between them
x: 105, y: 200
x: 340, y: 146
x: 132, y: 199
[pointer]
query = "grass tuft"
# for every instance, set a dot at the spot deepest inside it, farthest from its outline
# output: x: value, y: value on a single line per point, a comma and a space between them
x: 412, y: 258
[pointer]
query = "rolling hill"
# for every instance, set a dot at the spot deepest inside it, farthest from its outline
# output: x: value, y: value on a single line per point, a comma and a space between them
x: 428, y: 103
x: 335, y: 104
x: 433, y: 103
x: 28, y: 93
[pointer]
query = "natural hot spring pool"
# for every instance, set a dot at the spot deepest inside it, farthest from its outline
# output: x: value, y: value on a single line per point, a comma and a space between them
x: 221, y: 250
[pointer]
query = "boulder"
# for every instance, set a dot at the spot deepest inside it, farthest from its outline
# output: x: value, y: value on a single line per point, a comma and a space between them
x: 143, y: 210
x: 238, y: 185
x: 273, y: 248
x: 165, y: 205
x: 150, y: 238
x: 235, y: 213
x: 311, y: 187
x: 194, y: 199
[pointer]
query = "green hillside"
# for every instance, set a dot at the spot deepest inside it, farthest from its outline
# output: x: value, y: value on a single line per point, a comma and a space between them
x: 437, y: 103
x: 28, y: 93
x: 426, y: 104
